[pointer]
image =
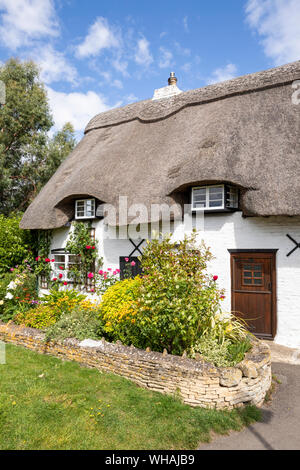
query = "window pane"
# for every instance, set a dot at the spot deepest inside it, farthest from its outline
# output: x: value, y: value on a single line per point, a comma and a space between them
x: 216, y: 196
x: 199, y: 197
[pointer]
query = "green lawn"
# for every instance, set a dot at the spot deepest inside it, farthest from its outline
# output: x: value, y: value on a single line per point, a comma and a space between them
x: 46, y: 403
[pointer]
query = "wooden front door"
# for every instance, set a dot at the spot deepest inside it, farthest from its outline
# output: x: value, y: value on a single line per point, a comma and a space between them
x: 253, y: 285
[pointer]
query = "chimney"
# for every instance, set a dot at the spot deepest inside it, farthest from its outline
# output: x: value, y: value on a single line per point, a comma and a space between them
x: 167, y: 91
x: 172, y: 80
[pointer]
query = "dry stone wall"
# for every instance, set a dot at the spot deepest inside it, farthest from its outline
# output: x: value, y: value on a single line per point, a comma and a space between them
x: 199, y: 383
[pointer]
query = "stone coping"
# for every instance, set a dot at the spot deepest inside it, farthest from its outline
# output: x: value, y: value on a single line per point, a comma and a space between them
x: 199, y: 383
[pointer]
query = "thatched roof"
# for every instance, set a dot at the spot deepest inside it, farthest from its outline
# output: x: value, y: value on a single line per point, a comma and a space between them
x: 245, y: 131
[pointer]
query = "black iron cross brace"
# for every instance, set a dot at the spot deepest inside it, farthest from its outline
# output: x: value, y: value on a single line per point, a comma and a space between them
x: 136, y: 247
x: 294, y: 241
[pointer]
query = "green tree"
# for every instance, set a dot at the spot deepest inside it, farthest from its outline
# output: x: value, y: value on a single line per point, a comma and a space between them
x: 16, y: 245
x: 28, y: 156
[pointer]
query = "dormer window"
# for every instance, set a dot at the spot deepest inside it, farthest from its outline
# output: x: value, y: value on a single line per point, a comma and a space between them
x: 220, y: 197
x: 85, y: 209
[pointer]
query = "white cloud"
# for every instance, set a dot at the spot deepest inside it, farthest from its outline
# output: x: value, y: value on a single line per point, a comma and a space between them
x: 143, y: 55
x: 120, y: 66
x: 54, y: 66
x: 185, y: 24
x: 166, y: 58
x: 278, y: 24
x: 223, y: 73
x: 77, y: 108
x: 117, y: 84
x: 22, y: 21
x: 100, y: 36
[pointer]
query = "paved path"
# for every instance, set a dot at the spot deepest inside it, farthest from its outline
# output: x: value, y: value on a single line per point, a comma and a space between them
x: 280, y: 427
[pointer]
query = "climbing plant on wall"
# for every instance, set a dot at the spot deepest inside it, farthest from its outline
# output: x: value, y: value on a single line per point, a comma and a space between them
x: 82, y: 244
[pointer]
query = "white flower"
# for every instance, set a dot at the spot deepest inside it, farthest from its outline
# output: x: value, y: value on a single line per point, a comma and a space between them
x: 12, y: 285
x: 1, y: 302
x: 9, y: 296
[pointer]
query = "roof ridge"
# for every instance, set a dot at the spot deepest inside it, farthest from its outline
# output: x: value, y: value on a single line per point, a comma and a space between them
x: 151, y: 111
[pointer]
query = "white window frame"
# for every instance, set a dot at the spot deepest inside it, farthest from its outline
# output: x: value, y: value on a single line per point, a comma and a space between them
x: 207, y: 208
x: 78, y: 217
x: 56, y: 271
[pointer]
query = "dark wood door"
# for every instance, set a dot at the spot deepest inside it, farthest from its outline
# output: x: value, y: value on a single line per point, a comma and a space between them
x: 254, y: 290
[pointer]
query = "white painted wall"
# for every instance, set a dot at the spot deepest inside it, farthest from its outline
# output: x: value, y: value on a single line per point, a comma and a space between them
x: 231, y: 231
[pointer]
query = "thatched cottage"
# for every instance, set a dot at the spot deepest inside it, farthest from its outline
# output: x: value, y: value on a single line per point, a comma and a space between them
x: 230, y: 151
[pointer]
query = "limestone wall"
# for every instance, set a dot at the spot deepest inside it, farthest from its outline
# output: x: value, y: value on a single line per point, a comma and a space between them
x: 198, y: 382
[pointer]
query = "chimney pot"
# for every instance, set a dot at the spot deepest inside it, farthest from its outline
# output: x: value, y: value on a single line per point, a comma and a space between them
x: 172, y: 80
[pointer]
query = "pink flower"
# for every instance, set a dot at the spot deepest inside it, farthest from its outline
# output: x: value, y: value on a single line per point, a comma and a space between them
x: 92, y: 290
x: 126, y: 259
x: 117, y: 271
x: 215, y: 278
x: 100, y: 272
x: 90, y: 275
x: 132, y: 263
x: 114, y: 273
x: 88, y: 247
x: 11, y: 269
x: 37, y: 258
x: 108, y: 269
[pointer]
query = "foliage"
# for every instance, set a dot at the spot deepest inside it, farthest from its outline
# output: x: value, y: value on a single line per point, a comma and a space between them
x: 80, y: 323
x: 28, y: 156
x: 105, y: 279
x: 40, y: 317
x: 63, y: 300
x: 52, y: 306
x: 82, y: 244
x: 18, y: 292
x: 237, y: 351
x: 177, y: 298
x: 225, y: 325
x: 16, y: 244
x: 224, y: 354
x: 119, y: 311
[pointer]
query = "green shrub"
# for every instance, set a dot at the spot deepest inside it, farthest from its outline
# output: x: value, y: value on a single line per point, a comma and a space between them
x: 18, y: 292
x: 40, y: 317
x: 16, y: 245
x: 79, y: 323
x: 224, y: 354
x: 119, y: 311
x: 177, y: 298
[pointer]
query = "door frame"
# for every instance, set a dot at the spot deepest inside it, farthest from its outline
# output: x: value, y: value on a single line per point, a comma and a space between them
x: 272, y: 256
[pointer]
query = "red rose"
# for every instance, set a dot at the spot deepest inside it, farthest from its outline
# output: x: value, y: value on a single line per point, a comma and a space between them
x: 93, y: 247
x: 65, y: 283
x: 215, y: 278
x: 61, y: 267
x: 60, y: 276
x: 88, y: 247
x: 47, y: 260
x: 54, y: 279
x: 52, y: 261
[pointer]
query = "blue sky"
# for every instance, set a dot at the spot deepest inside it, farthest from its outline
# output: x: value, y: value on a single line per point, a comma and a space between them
x: 95, y: 55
